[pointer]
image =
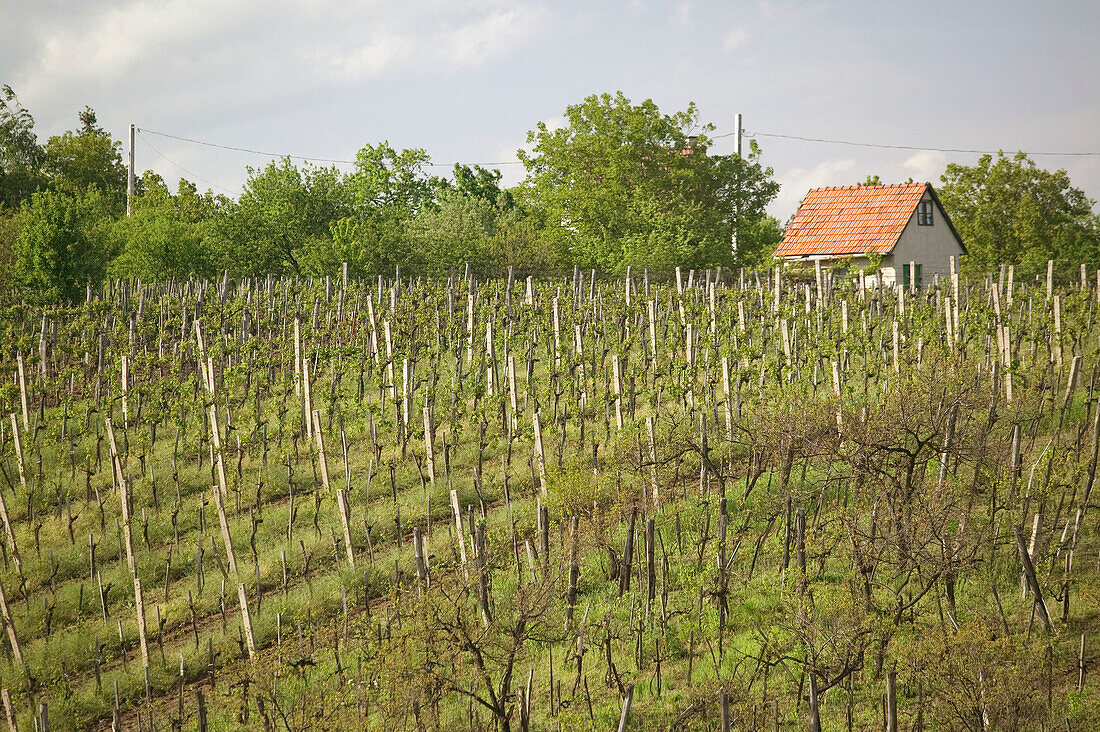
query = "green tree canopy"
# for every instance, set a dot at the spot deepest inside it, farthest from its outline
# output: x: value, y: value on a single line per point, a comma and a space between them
x: 89, y: 157
x: 387, y: 178
x: 757, y: 239
x: 622, y: 184
x: 282, y: 218
x: 63, y: 245
x: 456, y: 230
x: 477, y: 182
x: 875, y: 180
x: 388, y: 188
x: 1010, y: 211
x: 166, y: 235
x: 20, y: 154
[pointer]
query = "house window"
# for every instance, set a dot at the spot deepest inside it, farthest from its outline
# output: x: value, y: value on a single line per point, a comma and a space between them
x: 905, y: 277
x: 924, y: 213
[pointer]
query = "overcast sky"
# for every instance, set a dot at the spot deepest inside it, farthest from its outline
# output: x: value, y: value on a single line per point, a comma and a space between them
x: 467, y: 80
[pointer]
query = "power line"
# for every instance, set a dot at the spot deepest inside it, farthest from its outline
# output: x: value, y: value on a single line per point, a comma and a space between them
x: 307, y: 158
x: 750, y: 135
x: 904, y: 147
x: 180, y: 167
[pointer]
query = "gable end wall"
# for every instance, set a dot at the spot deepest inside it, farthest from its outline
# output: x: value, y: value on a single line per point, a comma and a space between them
x: 929, y: 246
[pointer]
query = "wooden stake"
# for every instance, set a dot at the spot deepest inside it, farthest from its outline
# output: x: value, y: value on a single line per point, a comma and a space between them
x: 625, y: 716
x: 139, y: 602
x: 124, y: 495
x: 13, y: 638
x: 540, y: 453
x: 18, y: 454
x: 246, y: 620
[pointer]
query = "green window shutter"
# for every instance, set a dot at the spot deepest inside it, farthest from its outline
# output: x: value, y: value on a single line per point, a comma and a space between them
x: 904, y: 281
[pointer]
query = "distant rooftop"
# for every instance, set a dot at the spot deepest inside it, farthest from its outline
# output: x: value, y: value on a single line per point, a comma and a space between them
x: 850, y: 220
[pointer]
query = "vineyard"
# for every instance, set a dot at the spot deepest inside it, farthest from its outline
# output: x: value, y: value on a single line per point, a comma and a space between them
x: 734, y: 500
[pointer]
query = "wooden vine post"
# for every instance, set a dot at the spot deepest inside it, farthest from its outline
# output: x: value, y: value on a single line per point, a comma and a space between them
x: 139, y: 607
x: 341, y: 495
x: 13, y: 637
x: 18, y: 453
x: 540, y: 453
x: 124, y: 497
x: 9, y: 530
x: 220, y: 491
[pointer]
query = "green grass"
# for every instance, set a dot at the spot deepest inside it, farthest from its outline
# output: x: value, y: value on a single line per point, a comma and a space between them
x: 397, y: 664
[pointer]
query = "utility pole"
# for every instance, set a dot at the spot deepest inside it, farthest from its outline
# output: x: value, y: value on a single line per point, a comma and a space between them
x: 130, y: 177
x: 737, y: 151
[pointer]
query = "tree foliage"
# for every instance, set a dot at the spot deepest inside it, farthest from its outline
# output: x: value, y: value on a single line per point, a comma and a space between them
x: 386, y: 190
x: 622, y: 184
x: 455, y: 230
x: 21, y: 156
x: 1010, y: 211
x: 618, y: 184
x: 477, y: 182
x: 167, y: 235
x: 74, y: 161
x: 282, y: 217
x: 63, y: 245
x: 386, y: 178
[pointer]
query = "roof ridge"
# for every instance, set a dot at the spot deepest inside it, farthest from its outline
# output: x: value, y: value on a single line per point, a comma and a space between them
x: 870, y: 188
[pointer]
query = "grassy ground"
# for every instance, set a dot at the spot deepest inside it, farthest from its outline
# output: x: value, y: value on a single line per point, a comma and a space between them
x: 875, y: 546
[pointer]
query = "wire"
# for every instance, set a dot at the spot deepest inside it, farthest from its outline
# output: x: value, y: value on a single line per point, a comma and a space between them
x: 177, y: 165
x: 307, y: 158
x: 905, y: 147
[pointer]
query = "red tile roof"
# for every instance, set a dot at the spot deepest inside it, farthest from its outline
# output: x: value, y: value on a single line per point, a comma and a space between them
x: 850, y: 220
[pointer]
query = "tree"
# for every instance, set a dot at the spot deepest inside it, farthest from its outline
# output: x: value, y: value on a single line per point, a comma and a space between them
x: 282, y: 219
x: 63, y: 245
x: 386, y: 178
x: 622, y: 184
x: 757, y: 239
x: 20, y: 154
x: 520, y: 241
x: 1009, y: 211
x: 166, y: 235
x: 89, y: 157
x: 11, y: 224
x: 387, y: 189
x: 455, y: 230
x: 477, y: 182
x: 874, y: 180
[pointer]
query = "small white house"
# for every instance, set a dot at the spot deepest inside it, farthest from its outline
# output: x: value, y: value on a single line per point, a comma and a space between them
x: 904, y: 224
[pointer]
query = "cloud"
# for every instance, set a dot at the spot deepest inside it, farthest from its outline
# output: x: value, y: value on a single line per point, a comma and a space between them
x: 107, y: 44
x: 556, y: 122
x: 790, y: 12
x: 797, y: 181
x: 925, y: 165
x: 208, y: 51
x: 735, y: 39
x: 370, y: 59
x: 448, y: 43
x: 491, y: 35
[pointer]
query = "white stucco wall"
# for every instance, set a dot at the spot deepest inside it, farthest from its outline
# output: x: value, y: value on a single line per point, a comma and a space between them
x: 929, y: 246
